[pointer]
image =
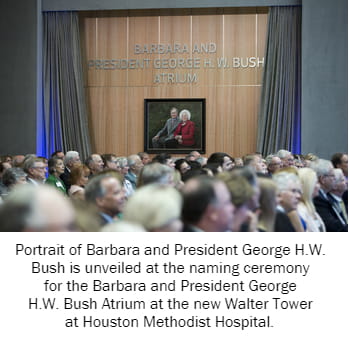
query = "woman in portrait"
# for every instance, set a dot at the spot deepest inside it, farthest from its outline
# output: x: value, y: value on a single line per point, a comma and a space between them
x: 185, y: 131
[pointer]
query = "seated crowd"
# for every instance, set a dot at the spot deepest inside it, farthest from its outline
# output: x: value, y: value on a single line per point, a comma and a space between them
x: 282, y: 192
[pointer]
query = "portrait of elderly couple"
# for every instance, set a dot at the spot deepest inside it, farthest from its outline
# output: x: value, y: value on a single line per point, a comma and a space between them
x: 176, y: 125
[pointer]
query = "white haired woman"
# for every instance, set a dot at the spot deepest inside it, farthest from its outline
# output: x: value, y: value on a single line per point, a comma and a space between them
x: 185, y: 131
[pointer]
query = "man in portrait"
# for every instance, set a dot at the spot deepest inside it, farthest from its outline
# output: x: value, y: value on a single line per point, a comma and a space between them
x: 166, y: 134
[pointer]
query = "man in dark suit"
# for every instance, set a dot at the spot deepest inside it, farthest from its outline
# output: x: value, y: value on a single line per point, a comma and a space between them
x: 165, y: 135
x: 70, y: 158
x: 106, y: 193
x: 324, y: 202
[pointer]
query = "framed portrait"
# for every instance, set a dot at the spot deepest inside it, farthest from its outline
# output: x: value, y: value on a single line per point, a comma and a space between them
x: 174, y: 125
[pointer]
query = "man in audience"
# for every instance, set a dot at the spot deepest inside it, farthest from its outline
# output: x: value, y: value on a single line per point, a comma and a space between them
x: 95, y: 163
x: 165, y: 159
x: 286, y: 157
x: 70, y: 159
x: 207, y: 205
x: 255, y: 162
x: 135, y: 165
x: 273, y: 163
x: 57, y: 154
x: 108, y: 195
x: 35, y: 169
x: 166, y: 134
x: 324, y: 205
x: 340, y: 160
x: 339, y: 187
x: 144, y: 157
x: 17, y: 160
x: 36, y: 209
x: 289, y: 192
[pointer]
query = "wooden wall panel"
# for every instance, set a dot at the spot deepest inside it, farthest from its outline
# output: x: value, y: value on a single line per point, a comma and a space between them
x: 116, y: 97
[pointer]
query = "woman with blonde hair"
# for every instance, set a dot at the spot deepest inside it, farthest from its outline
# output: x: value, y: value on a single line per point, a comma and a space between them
x: 267, y: 203
x: 306, y: 208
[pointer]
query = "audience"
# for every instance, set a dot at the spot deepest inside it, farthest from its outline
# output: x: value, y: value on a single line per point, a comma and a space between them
x: 306, y: 193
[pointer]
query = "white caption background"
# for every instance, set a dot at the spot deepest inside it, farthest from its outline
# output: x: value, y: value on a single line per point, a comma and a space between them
x: 78, y: 306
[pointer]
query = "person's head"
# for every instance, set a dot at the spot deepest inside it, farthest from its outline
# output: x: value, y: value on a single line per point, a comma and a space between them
x: 122, y: 164
x: 250, y: 175
x: 324, y: 172
x: 207, y: 204
x: 174, y: 112
x: 240, y: 192
x: 238, y: 162
x: 255, y: 162
x: 14, y: 176
x: 340, y: 183
x: 156, y: 207
x: 3, y: 167
x: 193, y: 155
x: 135, y: 164
x: 79, y: 175
x: 95, y: 163
x: 185, y: 115
x: 109, y: 161
x: 57, y: 154
x: 286, y: 157
x: 155, y: 173
x: 267, y: 203
x: 223, y: 159
x: 340, y: 160
x: 55, y: 166
x: 310, y: 187
x: 182, y: 165
x: 71, y: 158
x: 273, y: 163
x: 289, y: 190
x: 35, y: 169
x: 144, y: 157
x: 36, y: 209
x: 106, y: 193
x: 18, y: 160
x: 164, y: 158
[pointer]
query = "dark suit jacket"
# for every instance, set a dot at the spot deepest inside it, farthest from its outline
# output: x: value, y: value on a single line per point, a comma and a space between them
x: 283, y: 223
x: 65, y: 177
x: 328, y: 214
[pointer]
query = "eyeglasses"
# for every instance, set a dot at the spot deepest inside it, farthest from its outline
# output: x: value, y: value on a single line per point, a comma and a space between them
x: 40, y: 167
x: 330, y: 175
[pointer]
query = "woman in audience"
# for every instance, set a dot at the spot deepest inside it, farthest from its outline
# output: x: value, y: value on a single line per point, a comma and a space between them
x: 55, y: 169
x: 267, y: 204
x: 11, y: 177
x: 306, y: 208
x: 156, y: 207
x: 78, y: 178
x: 182, y: 166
